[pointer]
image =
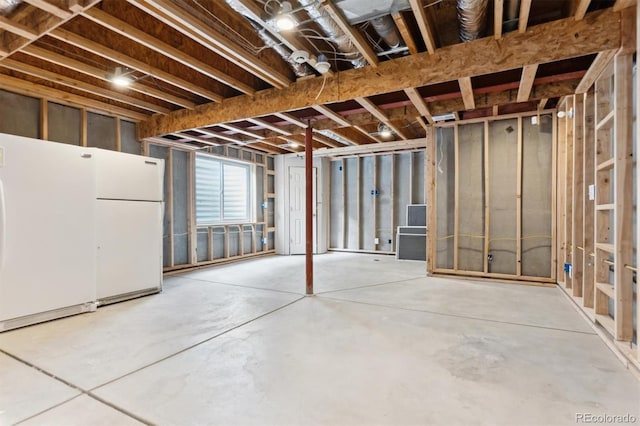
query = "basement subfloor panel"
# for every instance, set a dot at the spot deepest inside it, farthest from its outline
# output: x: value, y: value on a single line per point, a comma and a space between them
x: 379, y: 343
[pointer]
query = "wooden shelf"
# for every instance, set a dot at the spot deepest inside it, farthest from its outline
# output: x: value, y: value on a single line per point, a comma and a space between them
x: 609, y: 248
x: 607, y: 120
x: 607, y: 322
x: 607, y: 289
x: 607, y: 164
x: 605, y: 207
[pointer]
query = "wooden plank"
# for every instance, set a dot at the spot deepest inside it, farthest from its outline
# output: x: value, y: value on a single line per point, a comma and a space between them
x: 601, y: 61
x: 581, y: 9
x: 392, y: 214
x: 554, y: 198
x: 548, y: 42
x: 637, y: 177
x: 456, y: 196
x: 327, y: 112
x: 269, y: 126
x: 83, y: 127
x: 418, y: 101
x: 380, y: 115
x: 358, y: 203
x: 170, y: 207
x: 401, y: 24
x: 171, y: 14
x: 577, y: 237
x: 623, y: 4
x: 50, y: 8
x: 123, y: 28
x: 466, y: 89
x: 569, y: 191
x: 345, y: 217
x: 523, y: 20
x: 628, y: 31
x: 526, y: 82
x: 354, y: 35
x: 18, y: 29
x: 487, y: 205
x: 587, y: 223
x: 561, y: 198
x: 118, y: 135
x: 519, y: 200
x: 133, y: 63
x: 191, y: 211
x: 623, y: 188
x: 423, y: 23
x: 607, y: 289
x: 38, y: 91
x: 498, y: 13
x: 44, y: 119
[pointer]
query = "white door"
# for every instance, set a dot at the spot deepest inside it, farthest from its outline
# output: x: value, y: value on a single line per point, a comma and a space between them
x: 297, y: 197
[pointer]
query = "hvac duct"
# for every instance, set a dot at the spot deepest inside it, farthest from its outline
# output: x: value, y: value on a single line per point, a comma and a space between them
x: 333, y: 31
x: 386, y: 29
x: 7, y: 6
x: 300, y: 69
x: 472, y: 18
x: 511, y: 9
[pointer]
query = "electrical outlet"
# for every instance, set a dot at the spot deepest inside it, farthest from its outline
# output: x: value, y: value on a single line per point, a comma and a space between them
x: 376, y: 240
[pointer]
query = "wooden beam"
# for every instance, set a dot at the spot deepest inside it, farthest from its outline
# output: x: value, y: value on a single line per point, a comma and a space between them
x: 623, y: 4
x: 526, y: 82
x: 50, y: 8
x: 17, y: 28
x: 597, y: 66
x: 327, y: 112
x: 240, y: 130
x: 80, y: 85
x: 581, y: 9
x: 423, y: 24
x: 38, y: 91
x: 467, y: 93
x: 44, y: 119
x: 269, y: 126
x: 523, y: 20
x: 401, y: 24
x: 550, y: 42
x: 198, y: 139
x: 221, y: 136
x: 99, y: 73
x: 498, y: 18
x: 357, y: 39
x: 291, y: 119
x: 133, y: 63
x: 123, y: 28
x: 171, y: 14
x: 418, y: 101
x: 380, y: 115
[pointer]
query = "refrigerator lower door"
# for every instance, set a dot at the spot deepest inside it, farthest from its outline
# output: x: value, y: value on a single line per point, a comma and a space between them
x: 129, y: 249
x: 47, y: 204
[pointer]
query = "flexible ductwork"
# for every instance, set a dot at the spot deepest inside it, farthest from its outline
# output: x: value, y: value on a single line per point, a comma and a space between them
x: 386, y: 29
x: 7, y: 6
x: 333, y: 31
x: 301, y: 70
x: 472, y: 18
x: 336, y: 137
x: 511, y: 12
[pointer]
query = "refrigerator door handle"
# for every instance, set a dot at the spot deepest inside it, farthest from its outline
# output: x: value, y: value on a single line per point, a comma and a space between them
x: 3, y: 228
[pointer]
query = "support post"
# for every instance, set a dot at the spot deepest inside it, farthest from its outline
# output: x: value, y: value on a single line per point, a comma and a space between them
x: 308, y: 157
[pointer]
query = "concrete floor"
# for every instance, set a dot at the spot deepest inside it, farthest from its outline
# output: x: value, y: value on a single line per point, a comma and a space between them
x: 379, y: 344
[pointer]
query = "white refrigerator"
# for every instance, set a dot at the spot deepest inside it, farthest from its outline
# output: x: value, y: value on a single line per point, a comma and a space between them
x: 47, y: 266
x: 129, y: 209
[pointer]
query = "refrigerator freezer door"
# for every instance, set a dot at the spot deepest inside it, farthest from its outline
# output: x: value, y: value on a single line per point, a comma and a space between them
x: 122, y: 176
x: 48, y: 206
x: 129, y: 237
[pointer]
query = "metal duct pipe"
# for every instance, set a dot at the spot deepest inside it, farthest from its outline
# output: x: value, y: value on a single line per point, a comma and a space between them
x: 511, y: 15
x: 336, y: 137
x: 301, y: 70
x: 7, y: 6
x: 386, y: 29
x: 333, y: 31
x: 472, y: 18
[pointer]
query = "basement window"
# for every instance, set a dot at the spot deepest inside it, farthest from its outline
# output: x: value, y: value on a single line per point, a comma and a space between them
x: 223, y: 191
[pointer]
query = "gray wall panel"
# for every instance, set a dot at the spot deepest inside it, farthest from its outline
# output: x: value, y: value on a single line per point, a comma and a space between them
x: 180, y: 203
x: 352, y: 231
x: 163, y: 153
x: 337, y: 207
x: 367, y: 216
x: 128, y: 141
x: 384, y: 230
x: 19, y: 115
x: 101, y: 131
x: 64, y: 123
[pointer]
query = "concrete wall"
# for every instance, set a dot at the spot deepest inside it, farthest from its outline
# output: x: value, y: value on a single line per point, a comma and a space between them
x: 369, y: 195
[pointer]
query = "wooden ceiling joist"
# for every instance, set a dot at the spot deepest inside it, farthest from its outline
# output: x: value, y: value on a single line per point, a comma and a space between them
x: 423, y: 24
x: 18, y: 29
x: 357, y: 39
x: 523, y: 19
x: 81, y: 67
x: 110, y: 22
x: 39, y: 91
x: 418, y: 101
x: 401, y: 24
x: 327, y: 112
x: 380, y: 115
x: 133, y: 63
x: 466, y: 88
x: 623, y: 4
x: 549, y: 42
x: 291, y: 119
x: 50, y: 8
x: 581, y: 9
x: 241, y: 131
x: 526, y: 82
x: 221, y: 136
x: 599, y: 64
x: 498, y: 17
x: 269, y: 126
x: 171, y: 14
x: 196, y: 139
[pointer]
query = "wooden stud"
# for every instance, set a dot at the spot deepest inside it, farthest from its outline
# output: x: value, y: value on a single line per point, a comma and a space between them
x: 358, y: 203
x: 431, y: 197
x: 487, y: 204
x: 191, y: 211
x: 578, y: 196
x: 588, y: 210
x: 519, y: 200
x: 345, y: 217
x: 568, y: 183
x: 83, y: 127
x: 424, y: 25
x: 210, y: 242
x: 170, y: 206
x: 523, y: 21
x: 561, y: 198
x: 392, y: 216
x: 466, y: 89
x: 602, y: 60
x: 44, y: 119
x: 637, y: 177
x: 526, y: 82
x: 456, y: 195
x: 118, y: 135
x: 374, y: 213
x: 498, y: 13
x: 623, y: 4
x: 401, y: 24
x: 555, y: 267
x: 581, y: 9
x: 623, y: 184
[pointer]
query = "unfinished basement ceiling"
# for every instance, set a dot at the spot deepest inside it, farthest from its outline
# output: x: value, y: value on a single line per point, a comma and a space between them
x: 212, y: 72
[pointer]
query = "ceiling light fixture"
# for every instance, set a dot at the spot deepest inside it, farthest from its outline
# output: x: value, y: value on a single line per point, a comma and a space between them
x: 384, y: 130
x: 322, y: 65
x: 121, y: 78
x: 284, y: 20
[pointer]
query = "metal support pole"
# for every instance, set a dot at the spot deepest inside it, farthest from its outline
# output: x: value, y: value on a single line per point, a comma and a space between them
x: 308, y: 156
